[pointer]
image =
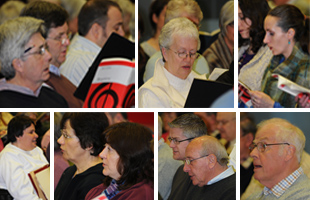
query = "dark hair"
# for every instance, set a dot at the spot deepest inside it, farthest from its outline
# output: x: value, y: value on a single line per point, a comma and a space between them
x: 156, y: 7
x: 89, y: 128
x: 247, y: 127
x: 256, y: 11
x: 291, y: 17
x: 16, y: 127
x: 132, y: 143
x: 95, y: 11
x: 52, y: 14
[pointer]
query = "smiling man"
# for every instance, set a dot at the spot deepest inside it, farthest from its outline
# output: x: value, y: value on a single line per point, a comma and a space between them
x: 56, y: 29
x: 206, y: 164
x: 276, y: 151
x: 97, y: 20
x: 182, y: 130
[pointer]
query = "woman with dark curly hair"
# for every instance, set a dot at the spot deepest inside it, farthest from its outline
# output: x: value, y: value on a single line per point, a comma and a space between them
x: 81, y: 142
x: 128, y: 164
x: 253, y: 55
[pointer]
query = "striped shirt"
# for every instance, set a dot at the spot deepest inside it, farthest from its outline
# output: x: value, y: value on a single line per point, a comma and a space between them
x: 283, y: 185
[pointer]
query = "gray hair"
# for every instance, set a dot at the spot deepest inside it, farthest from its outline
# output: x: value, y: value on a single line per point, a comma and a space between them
x: 14, y: 35
x: 175, y: 8
x: 287, y: 132
x: 160, y: 127
x: 211, y: 145
x: 226, y: 16
x: 178, y: 26
x: 10, y: 10
x: 191, y: 125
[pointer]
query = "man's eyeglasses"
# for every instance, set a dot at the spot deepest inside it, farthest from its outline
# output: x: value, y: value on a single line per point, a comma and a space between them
x: 175, y: 141
x: 62, y: 40
x: 65, y: 134
x: 188, y: 161
x: 41, y: 50
x: 184, y: 55
x: 261, y: 147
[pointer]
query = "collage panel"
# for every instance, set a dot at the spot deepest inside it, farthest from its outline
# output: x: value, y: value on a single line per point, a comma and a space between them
x: 186, y: 47
x: 67, y: 54
x: 104, y: 155
x: 273, y: 54
x: 196, y: 155
x: 25, y: 155
x: 274, y: 155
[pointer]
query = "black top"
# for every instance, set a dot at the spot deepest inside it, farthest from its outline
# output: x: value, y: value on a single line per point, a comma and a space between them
x: 47, y: 98
x: 77, y: 187
x: 182, y: 188
x: 245, y: 177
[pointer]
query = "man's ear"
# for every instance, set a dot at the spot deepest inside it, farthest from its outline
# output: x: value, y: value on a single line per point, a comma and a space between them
x: 212, y: 160
x: 17, y: 64
x: 290, y: 152
x: 96, y: 30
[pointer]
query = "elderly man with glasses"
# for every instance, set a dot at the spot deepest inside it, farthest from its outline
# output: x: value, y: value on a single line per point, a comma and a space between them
x: 56, y: 29
x: 24, y: 62
x: 182, y: 130
x: 276, y: 151
x: 206, y: 164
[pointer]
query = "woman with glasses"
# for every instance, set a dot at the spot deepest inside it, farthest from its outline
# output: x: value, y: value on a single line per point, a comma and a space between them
x: 128, y: 164
x: 24, y: 63
x: 19, y: 157
x: 81, y: 142
x: 173, y: 75
x: 253, y: 55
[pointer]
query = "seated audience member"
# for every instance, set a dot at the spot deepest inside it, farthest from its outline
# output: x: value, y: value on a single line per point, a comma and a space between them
x: 253, y: 55
x: 128, y: 163
x: 220, y: 53
x: 182, y: 130
x: 56, y: 37
x: 24, y: 62
x: 10, y: 10
x: 167, y: 166
x: 206, y: 163
x: 97, y: 20
x: 180, y: 8
x: 285, y: 25
x: 247, y: 134
x: 173, y: 75
x: 276, y: 152
x: 226, y: 124
x: 157, y: 18
x: 73, y: 8
x: 81, y: 142
x: 19, y: 157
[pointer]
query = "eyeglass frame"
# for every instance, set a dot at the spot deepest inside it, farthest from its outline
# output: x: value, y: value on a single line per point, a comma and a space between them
x: 61, y: 40
x: 186, y: 54
x: 41, y: 50
x: 65, y: 135
x: 253, y: 146
x: 175, y: 141
x: 188, y: 161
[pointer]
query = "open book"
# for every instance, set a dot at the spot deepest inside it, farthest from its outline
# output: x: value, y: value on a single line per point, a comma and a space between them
x: 289, y: 86
x: 40, y: 179
x: 244, y: 95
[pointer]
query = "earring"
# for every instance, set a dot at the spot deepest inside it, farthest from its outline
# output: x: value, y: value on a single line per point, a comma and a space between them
x: 289, y: 42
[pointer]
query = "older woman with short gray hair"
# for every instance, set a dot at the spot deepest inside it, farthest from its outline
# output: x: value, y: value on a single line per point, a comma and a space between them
x: 24, y: 62
x: 173, y: 75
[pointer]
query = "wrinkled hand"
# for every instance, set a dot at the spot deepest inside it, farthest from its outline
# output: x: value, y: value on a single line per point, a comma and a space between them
x: 303, y: 100
x: 261, y: 100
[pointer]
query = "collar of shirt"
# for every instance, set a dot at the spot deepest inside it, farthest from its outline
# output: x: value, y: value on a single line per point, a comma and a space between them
x: 17, y: 88
x: 55, y: 70
x: 283, y: 185
x: 228, y: 172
